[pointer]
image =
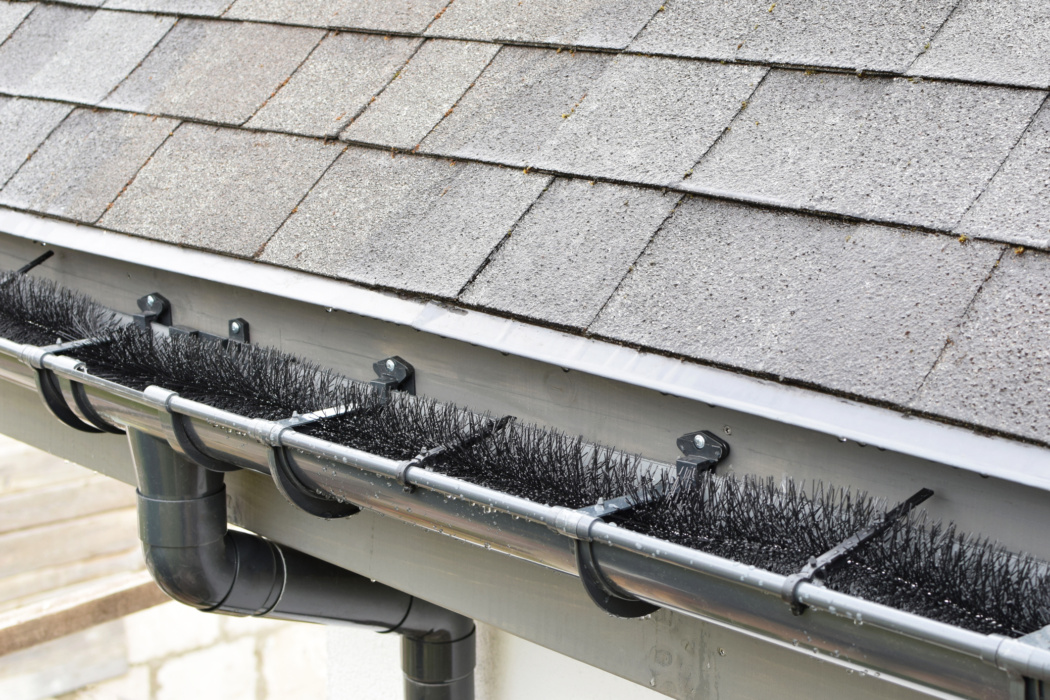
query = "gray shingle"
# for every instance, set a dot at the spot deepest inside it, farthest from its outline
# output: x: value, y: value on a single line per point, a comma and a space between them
x: 85, y: 163
x: 335, y: 84
x: 856, y: 308
x: 220, y: 189
x: 846, y: 33
x: 1016, y: 206
x: 649, y: 119
x: 424, y: 91
x: 24, y: 124
x: 86, y: 63
x: 414, y: 223
x: 893, y: 150
x: 389, y: 15
x: 996, y: 372
x: 516, y: 105
x: 598, y: 23
x: 567, y: 255
x: 994, y: 40
x: 43, y: 34
x: 201, y: 8
x: 216, y: 71
x: 11, y: 15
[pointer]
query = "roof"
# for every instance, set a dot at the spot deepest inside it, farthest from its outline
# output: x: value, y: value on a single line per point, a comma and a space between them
x: 851, y: 197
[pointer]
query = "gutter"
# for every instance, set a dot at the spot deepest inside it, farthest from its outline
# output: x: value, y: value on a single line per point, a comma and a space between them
x: 842, y: 629
x: 1002, y: 458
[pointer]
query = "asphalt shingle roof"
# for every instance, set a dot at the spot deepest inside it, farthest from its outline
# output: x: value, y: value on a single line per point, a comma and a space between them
x: 854, y: 197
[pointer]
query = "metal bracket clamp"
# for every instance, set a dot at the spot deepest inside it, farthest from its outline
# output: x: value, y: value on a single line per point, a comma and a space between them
x: 47, y: 385
x: 701, y: 450
x: 488, y: 428
x: 603, y: 592
x: 155, y: 308
x: 176, y: 433
x: 284, y: 477
x: 394, y: 374
x: 818, y: 567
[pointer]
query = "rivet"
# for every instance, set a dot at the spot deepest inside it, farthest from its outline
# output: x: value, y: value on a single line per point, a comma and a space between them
x: 151, y: 300
x: 235, y: 327
x: 391, y: 365
x: 699, y: 441
x: 721, y: 651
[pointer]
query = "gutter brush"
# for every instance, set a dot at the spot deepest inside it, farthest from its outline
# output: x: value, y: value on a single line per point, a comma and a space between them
x: 813, y: 561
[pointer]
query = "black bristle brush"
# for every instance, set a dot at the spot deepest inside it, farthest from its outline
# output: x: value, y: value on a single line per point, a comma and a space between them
x: 915, y: 566
x: 39, y: 312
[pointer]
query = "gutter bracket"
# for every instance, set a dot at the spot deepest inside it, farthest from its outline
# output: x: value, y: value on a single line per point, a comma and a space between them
x: 818, y: 567
x: 176, y: 433
x: 47, y: 385
x: 155, y: 308
x: 602, y: 592
x: 394, y: 374
x: 701, y: 450
x: 284, y: 477
x: 298, y: 494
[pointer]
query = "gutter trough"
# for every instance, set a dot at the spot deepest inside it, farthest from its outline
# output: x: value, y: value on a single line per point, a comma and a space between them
x: 841, y: 629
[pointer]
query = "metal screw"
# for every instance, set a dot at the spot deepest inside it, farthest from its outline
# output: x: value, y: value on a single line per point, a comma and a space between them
x: 721, y: 651
x: 699, y: 441
x: 729, y: 431
x: 151, y: 300
x: 391, y: 365
x: 235, y: 327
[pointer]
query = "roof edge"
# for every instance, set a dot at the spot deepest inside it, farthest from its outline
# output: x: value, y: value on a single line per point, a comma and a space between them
x: 842, y: 418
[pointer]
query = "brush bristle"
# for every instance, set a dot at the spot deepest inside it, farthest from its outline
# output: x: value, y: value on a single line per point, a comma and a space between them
x: 37, y: 311
x: 915, y: 566
x: 923, y: 568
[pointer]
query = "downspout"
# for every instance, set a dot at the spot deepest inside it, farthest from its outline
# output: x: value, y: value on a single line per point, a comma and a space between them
x: 198, y: 562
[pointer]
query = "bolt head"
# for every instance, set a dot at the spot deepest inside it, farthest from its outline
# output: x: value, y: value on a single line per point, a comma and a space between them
x: 391, y: 365
x: 699, y: 441
x: 235, y: 327
x: 151, y: 300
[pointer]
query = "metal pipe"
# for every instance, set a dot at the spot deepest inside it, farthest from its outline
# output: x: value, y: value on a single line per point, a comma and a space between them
x: 197, y: 561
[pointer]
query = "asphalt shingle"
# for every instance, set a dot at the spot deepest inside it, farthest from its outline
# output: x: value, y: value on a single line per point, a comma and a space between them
x: 516, y: 105
x: 215, y: 71
x: 220, y: 189
x: 85, y: 59
x: 424, y: 91
x: 649, y: 119
x: 996, y: 371
x: 410, y: 16
x: 857, y: 308
x: 199, y: 8
x: 1002, y: 41
x: 1016, y: 206
x: 11, y: 15
x: 335, y: 84
x: 409, y: 222
x: 886, y: 149
x: 846, y: 33
x: 24, y: 124
x: 35, y: 43
x: 596, y: 23
x: 567, y: 255
x: 85, y: 163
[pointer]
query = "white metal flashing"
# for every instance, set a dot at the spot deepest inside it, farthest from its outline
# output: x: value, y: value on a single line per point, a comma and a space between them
x: 849, y: 420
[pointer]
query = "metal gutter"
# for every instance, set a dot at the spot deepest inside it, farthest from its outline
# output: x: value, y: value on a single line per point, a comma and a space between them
x: 840, y: 628
x: 1013, y: 461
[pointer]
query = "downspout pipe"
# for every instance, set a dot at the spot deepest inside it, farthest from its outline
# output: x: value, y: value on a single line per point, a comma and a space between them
x: 196, y: 560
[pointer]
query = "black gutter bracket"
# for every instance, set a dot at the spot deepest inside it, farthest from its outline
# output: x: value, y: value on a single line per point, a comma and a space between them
x: 394, y: 374
x: 818, y: 567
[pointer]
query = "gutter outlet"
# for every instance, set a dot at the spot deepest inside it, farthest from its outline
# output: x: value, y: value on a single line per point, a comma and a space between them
x: 197, y: 561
